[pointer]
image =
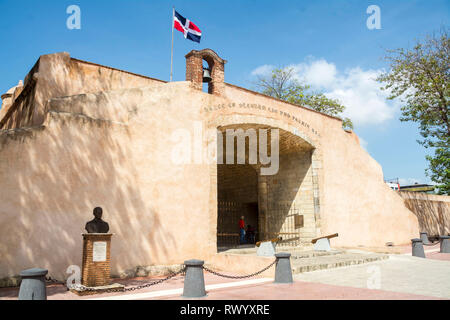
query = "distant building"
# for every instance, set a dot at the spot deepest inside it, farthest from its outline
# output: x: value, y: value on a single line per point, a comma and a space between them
x: 425, y: 188
x: 393, y: 184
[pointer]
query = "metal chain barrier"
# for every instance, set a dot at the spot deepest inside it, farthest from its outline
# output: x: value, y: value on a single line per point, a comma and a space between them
x: 81, y: 287
x: 50, y: 280
x: 239, y: 277
x: 157, y: 281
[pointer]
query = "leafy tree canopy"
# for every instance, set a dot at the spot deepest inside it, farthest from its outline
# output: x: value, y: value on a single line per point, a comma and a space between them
x: 419, y: 78
x: 282, y: 84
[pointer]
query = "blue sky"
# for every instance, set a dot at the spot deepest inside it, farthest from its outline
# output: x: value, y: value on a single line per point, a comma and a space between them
x: 323, y: 40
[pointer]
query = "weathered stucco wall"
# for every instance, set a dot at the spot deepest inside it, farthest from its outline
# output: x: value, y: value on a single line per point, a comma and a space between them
x: 59, y: 75
x: 290, y: 192
x: 432, y: 211
x: 114, y: 148
x: 352, y: 190
x: 76, y: 162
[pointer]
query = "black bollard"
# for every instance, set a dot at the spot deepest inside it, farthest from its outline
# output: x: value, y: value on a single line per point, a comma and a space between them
x: 194, y: 282
x: 283, y: 271
x: 32, y: 286
x: 424, y: 238
x: 417, y: 248
x: 445, y: 244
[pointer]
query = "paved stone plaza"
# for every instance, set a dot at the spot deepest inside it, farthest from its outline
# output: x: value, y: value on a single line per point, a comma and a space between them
x: 403, y: 274
x: 401, y: 277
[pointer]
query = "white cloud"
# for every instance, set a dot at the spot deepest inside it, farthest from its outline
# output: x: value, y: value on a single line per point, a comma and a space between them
x: 262, y: 70
x: 317, y: 73
x: 360, y: 93
x: 355, y: 88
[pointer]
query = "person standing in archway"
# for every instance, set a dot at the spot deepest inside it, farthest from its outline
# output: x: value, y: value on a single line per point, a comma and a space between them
x: 241, y: 230
x: 250, y: 234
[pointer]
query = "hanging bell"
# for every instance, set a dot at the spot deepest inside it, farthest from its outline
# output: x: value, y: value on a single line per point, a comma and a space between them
x: 206, y: 75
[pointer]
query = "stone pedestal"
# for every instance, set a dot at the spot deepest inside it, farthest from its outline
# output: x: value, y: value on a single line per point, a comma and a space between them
x: 96, y: 268
x: 194, y: 282
x: 445, y: 244
x: 283, y: 270
x: 417, y: 248
x: 32, y: 286
x: 266, y: 249
x: 424, y: 238
x: 322, y: 245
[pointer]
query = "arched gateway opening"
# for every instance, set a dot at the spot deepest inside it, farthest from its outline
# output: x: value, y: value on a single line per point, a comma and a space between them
x: 278, y: 204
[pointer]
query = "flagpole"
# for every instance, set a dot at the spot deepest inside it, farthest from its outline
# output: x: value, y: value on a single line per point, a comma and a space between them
x: 171, y: 55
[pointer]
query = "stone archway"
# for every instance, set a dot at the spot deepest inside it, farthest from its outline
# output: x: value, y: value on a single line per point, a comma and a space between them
x: 286, y: 204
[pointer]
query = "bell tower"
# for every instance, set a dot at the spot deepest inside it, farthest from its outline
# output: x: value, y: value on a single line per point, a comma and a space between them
x: 213, y: 74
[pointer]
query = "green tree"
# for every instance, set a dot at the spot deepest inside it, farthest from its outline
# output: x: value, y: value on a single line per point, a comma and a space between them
x: 282, y: 84
x: 419, y: 78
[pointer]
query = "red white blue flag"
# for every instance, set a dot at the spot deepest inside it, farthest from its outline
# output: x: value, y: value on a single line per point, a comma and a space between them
x: 189, y: 29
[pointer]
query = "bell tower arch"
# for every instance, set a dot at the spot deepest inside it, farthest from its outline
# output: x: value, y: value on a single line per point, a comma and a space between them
x: 216, y: 69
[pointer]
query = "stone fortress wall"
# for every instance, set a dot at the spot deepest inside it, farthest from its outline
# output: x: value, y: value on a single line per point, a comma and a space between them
x: 80, y: 135
x: 432, y: 211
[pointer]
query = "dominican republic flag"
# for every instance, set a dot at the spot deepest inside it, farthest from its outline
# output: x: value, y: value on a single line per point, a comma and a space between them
x: 189, y: 29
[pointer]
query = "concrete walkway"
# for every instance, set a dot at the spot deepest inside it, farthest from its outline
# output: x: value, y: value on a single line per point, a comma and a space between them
x: 398, y: 277
x: 256, y: 289
x: 400, y: 273
x: 311, y: 261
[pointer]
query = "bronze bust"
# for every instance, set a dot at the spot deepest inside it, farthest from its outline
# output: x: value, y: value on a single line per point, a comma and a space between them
x: 97, y: 225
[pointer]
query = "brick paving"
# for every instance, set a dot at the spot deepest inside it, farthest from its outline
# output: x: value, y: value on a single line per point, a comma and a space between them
x: 299, y: 290
x: 402, y: 277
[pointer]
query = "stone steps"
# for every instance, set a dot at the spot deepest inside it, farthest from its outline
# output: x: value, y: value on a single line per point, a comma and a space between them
x: 312, y: 261
x: 305, y: 259
x: 312, y: 254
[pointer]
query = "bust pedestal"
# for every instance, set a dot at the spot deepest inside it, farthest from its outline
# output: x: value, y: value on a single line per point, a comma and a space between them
x: 96, y: 267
